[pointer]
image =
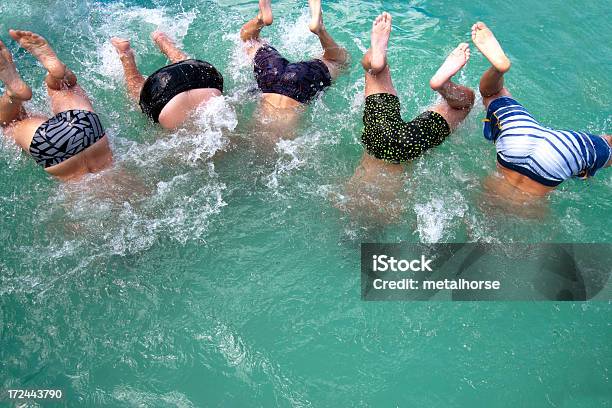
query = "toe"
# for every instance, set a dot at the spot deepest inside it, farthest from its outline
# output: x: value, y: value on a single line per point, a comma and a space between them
x: 118, y: 40
x: 5, y: 52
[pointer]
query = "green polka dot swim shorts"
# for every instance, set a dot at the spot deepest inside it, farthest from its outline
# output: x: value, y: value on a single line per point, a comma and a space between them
x: 387, y: 137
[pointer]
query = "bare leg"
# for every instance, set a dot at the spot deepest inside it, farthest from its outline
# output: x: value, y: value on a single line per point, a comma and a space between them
x: 62, y: 85
x: 69, y: 99
x: 251, y: 30
x: 265, y: 11
x: 11, y: 109
x: 458, y: 99
x: 492, y: 81
x: 334, y: 56
x: 378, y: 80
x: 374, y: 62
x: 133, y: 78
x: 17, y: 91
x: 373, y: 192
x: 58, y: 75
x: 168, y: 47
x: 375, y: 185
x: 23, y: 130
x: 12, y: 114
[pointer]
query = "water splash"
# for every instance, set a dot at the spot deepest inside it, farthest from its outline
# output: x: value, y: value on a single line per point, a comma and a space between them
x: 436, y: 215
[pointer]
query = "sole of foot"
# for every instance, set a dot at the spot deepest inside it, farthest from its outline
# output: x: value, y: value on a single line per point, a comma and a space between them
x: 381, y: 30
x: 41, y: 50
x: 265, y: 12
x: 486, y: 42
x: 158, y: 36
x: 15, y: 87
x: 122, y: 45
x: 453, y: 63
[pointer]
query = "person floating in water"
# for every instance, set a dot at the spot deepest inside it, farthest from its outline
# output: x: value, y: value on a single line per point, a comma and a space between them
x: 531, y: 157
x: 70, y: 144
x: 286, y: 86
x: 389, y: 141
x: 172, y: 93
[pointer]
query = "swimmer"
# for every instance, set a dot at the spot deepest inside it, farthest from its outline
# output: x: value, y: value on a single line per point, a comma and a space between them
x: 531, y: 157
x: 70, y: 144
x: 172, y: 93
x: 389, y: 141
x: 287, y: 87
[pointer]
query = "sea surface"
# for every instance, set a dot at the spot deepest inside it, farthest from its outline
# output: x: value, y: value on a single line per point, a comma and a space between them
x: 211, y: 269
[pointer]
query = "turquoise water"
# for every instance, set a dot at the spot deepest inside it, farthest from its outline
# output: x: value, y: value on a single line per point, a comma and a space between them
x: 178, y: 279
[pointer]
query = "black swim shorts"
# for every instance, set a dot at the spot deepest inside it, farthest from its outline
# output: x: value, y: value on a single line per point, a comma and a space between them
x: 169, y: 81
x: 300, y: 81
x: 387, y: 137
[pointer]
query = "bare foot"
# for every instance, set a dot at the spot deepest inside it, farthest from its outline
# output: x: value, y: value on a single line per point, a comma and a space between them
x: 15, y: 87
x: 453, y: 63
x: 486, y: 42
x: 316, y: 16
x: 168, y: 47
x: 159, y: 36
x: 122, y: 46
x: 265, y: 12
x: 381, y: 30
x: 41, y: 50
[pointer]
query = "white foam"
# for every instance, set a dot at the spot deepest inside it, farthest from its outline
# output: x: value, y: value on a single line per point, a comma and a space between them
x: 250, y: 364
x: 297, y: 42
x: 10, y: 151
x: 125, y: 20
x: 357, y: 90
x: 214, y: 117
x: 230, y: 345
x: 437, y: 214
x: 122, y: 217
x: 201, y: 139
x: 240, y: 68
x: 360, y: 45
x: 141, y: 398
x: 289, y: 159
x: 135, y: 24
x: 110, y: 65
